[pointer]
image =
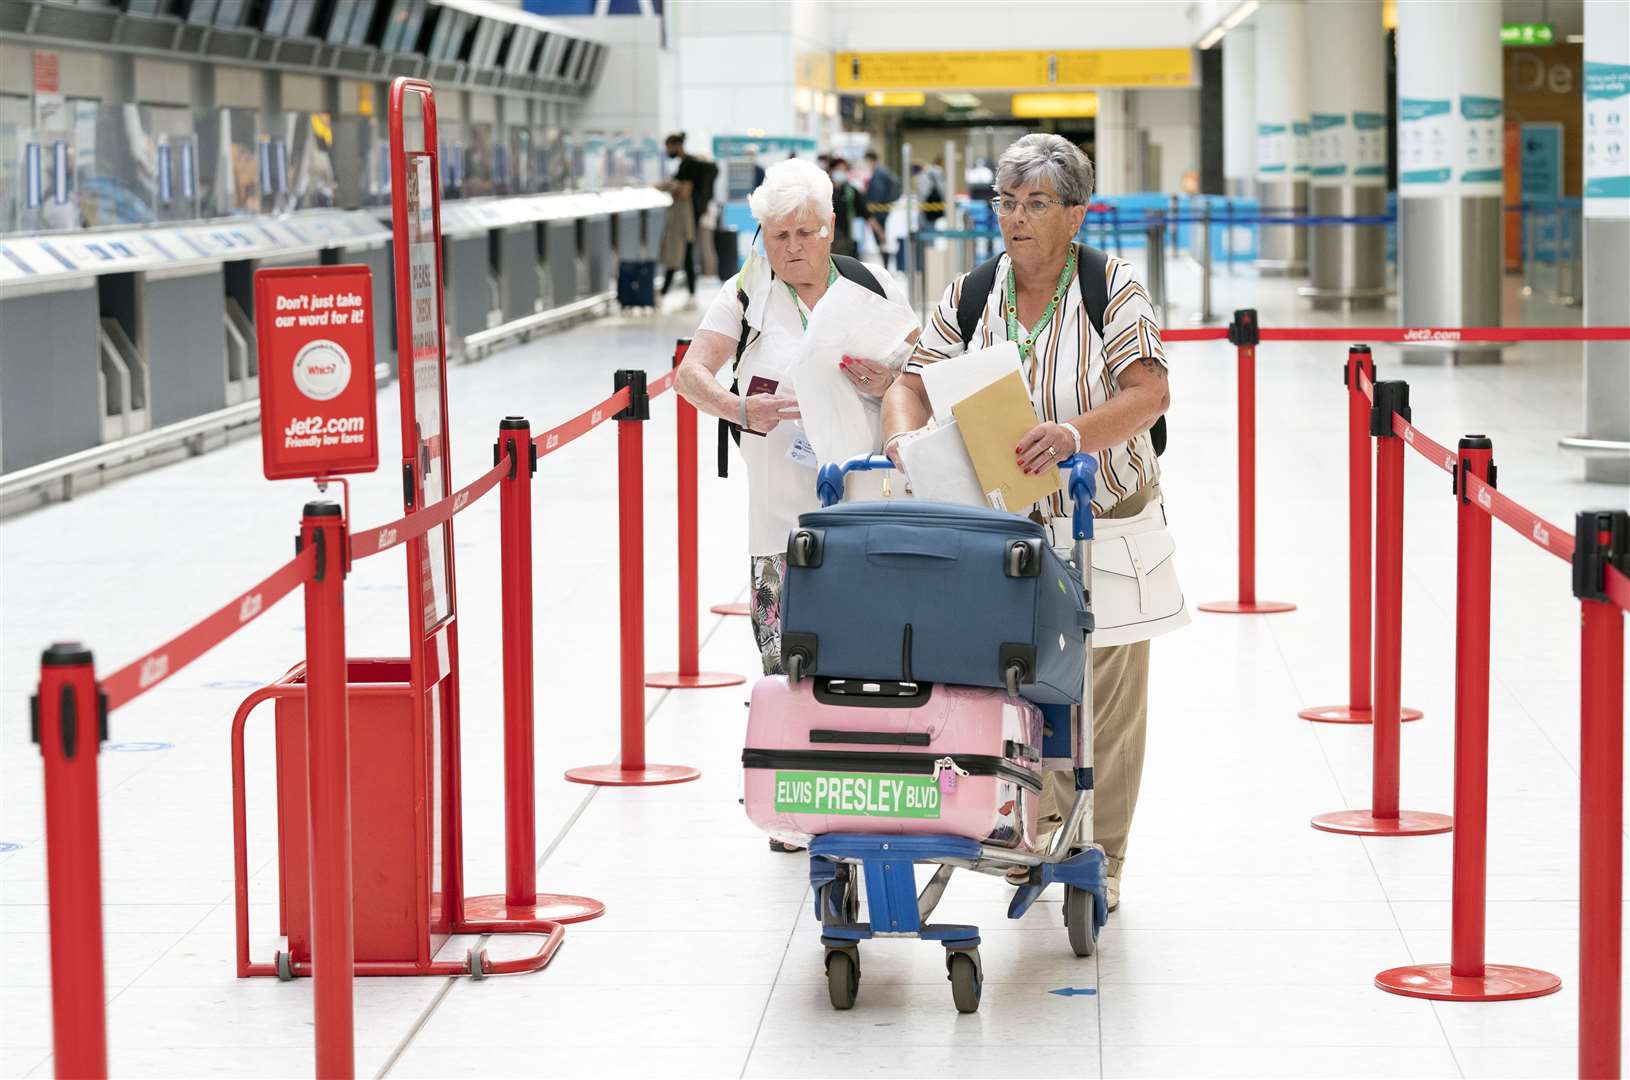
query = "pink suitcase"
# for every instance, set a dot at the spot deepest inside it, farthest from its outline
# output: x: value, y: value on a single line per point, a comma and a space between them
x: 861, y: 756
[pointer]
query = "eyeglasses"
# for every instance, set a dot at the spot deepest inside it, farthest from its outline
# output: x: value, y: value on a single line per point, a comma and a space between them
x: 1003, y: 205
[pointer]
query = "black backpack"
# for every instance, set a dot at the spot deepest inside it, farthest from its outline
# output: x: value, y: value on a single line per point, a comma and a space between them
x: 1091, y: 277
x: 850, y: 269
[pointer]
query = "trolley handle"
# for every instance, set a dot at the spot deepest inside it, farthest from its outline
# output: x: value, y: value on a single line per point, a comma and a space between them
x: 1083, y: 484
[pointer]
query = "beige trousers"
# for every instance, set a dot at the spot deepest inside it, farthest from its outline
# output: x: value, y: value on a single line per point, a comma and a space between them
x: 1120, y: 691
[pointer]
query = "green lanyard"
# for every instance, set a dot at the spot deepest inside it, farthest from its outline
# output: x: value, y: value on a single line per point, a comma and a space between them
x: 831, y: 276
x: 1027, y: 343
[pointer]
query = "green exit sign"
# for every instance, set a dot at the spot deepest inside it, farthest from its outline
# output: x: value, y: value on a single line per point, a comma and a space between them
x: 1526, y: 34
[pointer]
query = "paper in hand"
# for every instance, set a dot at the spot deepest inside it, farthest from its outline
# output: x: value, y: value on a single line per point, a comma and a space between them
x: 850, y: 320
x: 948, y: 382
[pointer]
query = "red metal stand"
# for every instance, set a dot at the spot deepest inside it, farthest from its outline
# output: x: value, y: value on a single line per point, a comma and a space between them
x: 1467, y: 977
x: 328, y: 778
x: 70, y: 724
x: 1243, y: 332
x: 1384, y: 818
x: 521, y: 900
x: 1601, y: 539
x: 632, y: 770
x: 689, y: 676
x: 1358, y: 711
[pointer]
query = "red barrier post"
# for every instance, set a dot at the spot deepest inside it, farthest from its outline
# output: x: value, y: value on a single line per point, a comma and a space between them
x: 328, y: 786
x: 689, y: 676
x: 1244, y: 333
x: 1384, y: 818
x: 1357, y: 710
x: 521, y: 901
x: 632, y: 769
x: 1601, y: 539
x: 1466, y: 977
x: 70, y: 725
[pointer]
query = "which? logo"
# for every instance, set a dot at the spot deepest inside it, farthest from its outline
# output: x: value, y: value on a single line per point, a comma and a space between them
x: 322, y: 370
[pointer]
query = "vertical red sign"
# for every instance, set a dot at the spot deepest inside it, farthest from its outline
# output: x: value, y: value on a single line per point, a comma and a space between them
x: 314, y: 330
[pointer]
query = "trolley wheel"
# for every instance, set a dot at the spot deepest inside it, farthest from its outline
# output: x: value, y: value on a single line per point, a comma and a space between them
x: 476, y: 961
x: 966, y: 984
x: 795, y: 668
x: 1080, y: 921
x: 285, y: 967
x: 842, y: 977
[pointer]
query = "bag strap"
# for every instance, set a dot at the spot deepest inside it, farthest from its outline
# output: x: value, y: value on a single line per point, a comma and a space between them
x: 727, y: 430
x: 852, y: 269
x: 976, y: 287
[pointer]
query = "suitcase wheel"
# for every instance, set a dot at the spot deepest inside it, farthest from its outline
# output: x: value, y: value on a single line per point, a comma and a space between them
x: 795, y: 668
x: 1014, y: 675
x: 1024, y: 559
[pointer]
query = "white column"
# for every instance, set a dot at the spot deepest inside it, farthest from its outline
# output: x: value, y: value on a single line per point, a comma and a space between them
x: 1346, y: 47
x: 1239, y: 110
x: 1607, y: 233
x: 1450, y: 169
x: 1282, y: 131
x: 1115, y: 144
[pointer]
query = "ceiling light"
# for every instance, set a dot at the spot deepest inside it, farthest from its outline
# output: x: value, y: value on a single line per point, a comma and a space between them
x: 1230, y: 21
x: 960, y: 100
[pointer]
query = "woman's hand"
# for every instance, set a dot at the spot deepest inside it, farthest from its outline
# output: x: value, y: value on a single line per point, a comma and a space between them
x: 868, y: 376
x: 765, y: 411
x: 1044, y: 446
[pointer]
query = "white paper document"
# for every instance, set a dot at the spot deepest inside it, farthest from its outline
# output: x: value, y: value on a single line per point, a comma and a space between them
x: 948, y: 382
x: 850, y: 320
x: 939, y: 467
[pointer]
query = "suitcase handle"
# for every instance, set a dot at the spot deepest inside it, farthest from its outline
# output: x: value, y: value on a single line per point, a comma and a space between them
x: 1083, y: 484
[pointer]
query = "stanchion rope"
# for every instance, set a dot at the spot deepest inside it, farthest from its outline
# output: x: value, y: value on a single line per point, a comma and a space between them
x: 152, y: 668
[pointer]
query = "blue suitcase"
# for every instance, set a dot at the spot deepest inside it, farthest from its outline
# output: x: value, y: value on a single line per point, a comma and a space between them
x: 933, y: 592
x: 637, y: 283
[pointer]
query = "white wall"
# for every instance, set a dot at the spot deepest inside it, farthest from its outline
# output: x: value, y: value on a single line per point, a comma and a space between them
x: 882, y: 25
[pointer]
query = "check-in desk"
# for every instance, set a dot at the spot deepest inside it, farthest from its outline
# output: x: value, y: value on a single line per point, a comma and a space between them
x: 110, y: 335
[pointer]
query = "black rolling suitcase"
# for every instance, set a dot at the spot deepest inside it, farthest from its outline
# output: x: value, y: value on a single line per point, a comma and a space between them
x: 637, y: 283
x: 726, y: 248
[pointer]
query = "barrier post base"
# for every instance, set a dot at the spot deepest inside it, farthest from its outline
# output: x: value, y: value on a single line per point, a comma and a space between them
x: 1347, y: 714
x: 1499, y: 982
x: 1246, y: 607
x: 1365, y: 823
x: 494, y: 914
x: 702, y: 680
x: 617, y: 776
x: 731, y: 609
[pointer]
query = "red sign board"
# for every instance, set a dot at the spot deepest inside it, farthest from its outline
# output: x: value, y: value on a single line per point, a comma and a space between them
x: 314, y: 327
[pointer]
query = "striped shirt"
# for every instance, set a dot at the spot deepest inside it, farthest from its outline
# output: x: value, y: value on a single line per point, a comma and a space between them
x: 1062, y: 385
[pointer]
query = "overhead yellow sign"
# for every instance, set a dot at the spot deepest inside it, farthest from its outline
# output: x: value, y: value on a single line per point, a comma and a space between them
x: 1013, y: 69
x: 1045, y: 106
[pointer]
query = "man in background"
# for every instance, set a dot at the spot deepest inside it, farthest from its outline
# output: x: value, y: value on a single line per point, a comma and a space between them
x: 882, y: 193
x: 848, y: 206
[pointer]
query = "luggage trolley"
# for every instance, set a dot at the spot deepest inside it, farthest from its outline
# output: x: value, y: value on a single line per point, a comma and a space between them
x: 842, y: 864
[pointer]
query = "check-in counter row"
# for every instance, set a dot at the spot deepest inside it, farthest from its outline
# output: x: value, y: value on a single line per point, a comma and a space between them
x: 112, y: 339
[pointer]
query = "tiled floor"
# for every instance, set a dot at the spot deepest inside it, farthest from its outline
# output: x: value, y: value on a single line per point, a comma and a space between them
x: 1245, y: 944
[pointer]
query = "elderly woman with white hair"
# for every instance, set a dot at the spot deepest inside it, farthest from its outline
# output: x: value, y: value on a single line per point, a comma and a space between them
x: 756, y: 324
x: 1097, y: 378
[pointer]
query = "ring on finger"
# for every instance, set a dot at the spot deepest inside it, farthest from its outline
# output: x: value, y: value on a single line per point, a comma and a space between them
x: 1052, y: 451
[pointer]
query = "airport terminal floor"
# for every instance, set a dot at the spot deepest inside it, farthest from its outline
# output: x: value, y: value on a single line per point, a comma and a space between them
x: 1245, y: 943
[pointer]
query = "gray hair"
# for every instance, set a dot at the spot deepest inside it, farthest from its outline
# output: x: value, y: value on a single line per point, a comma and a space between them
x: 1040, y: 156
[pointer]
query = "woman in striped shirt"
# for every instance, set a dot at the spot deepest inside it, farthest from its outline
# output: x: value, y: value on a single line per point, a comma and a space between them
x: 1096, y: 392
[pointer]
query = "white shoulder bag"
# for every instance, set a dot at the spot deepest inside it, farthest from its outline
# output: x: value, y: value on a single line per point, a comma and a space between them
x: 1135, y: 592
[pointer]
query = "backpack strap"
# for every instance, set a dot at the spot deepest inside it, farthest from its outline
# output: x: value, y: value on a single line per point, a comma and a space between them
x: 852, y: 269
x: 727, y: 430
x: 1093, y: 277
x: 976, y: 287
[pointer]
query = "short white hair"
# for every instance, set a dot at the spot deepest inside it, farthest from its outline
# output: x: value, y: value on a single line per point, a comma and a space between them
x: 790, y: 187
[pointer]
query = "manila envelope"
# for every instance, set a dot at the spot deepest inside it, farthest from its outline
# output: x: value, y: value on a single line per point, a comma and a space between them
x: 992, y: 422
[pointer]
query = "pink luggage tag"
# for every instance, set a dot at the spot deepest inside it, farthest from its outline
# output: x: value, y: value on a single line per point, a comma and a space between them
x: 946, y: 772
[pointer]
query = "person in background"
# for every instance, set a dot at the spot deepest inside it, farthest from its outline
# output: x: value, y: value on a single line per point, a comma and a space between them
x: 848, y: 207
x: 689, y: 183
x: 1095, y: 394
x: 758, y: 170
x: 929, y: 183
x: 882, y: 195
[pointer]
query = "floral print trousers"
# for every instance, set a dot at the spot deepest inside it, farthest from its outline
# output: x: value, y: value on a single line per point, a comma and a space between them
x: 768, y: 572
